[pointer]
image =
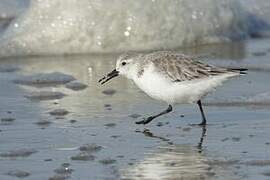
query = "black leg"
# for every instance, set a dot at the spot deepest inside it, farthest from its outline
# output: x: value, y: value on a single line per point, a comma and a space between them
x: 149, y: 119
x: 203, y: 123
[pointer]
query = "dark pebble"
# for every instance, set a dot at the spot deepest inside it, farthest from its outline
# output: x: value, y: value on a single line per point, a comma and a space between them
x: 259, y: 53
x: 45, y: 79
x: 135, y: 116
x: 258, y: 163
x: 115, y: 136
x: 236, y: 139
x: 43, y: 123
x: 186, y: 129
x: 222, y: 162
x: 266, y: 173
x: 76, y: 85
x: 44, y: 95
x: 58, y: 117
x: 109, y: 92
x: 83, y: 156
x: 210, y: 174
x: 159, y: 124
x: 110, y: 125
x: 47, y: 160
x: 225, y: 139
x: 18, y: 173
x: 65, y: 165
x: 73, y: 121
x: 8, y: 119
x: 59, y: 177
x: 63, y: 170
x: 107, y: 161
x: 59, y: 112
x: 8, y: 68
x: 18, y: 153
x: 90, y: 148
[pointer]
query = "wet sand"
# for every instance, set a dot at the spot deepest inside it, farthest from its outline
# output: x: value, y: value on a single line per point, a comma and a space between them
x: 52, y: 127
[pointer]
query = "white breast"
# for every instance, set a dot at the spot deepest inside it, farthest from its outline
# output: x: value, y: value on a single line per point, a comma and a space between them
x: 161, y: 88
x: 153, y: 84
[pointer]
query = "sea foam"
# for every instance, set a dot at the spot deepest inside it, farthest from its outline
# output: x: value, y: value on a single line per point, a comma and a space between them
x: 49, y: 27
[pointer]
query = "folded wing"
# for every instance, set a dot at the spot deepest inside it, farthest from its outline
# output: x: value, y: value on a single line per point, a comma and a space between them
x: 179, y: 67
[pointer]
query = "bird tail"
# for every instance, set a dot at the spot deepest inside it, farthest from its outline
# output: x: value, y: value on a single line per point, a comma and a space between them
x: 242, y: 71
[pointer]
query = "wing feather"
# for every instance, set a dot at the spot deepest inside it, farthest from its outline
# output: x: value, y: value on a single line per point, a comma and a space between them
x: 179, y: 67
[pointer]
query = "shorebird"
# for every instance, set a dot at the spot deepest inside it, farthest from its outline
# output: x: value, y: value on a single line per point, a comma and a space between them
x: 172, y: 78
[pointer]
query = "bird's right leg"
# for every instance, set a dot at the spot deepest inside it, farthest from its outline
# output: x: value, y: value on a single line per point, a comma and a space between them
x: 149, y: 119
x: 203, y: 123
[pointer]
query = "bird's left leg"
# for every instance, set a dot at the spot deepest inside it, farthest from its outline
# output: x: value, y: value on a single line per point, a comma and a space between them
x: 149, y: 119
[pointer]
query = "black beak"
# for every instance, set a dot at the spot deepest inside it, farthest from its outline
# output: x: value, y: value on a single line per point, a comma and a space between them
x: 109, y: 76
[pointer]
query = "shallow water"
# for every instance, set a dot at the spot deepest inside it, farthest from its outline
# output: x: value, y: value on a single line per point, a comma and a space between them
x: 45, y: 133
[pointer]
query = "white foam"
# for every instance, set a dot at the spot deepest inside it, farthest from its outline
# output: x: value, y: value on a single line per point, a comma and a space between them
x: 97, y: 26
x: 12, y: 8
x: 258, y: 12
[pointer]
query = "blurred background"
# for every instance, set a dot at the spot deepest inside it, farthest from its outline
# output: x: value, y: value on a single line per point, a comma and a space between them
x: 95, y: 26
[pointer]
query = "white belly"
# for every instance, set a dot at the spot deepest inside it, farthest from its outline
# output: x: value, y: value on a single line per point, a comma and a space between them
x: 161, y: 88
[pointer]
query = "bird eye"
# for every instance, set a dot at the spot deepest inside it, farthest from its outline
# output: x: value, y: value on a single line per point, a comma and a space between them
x: 124, y: 63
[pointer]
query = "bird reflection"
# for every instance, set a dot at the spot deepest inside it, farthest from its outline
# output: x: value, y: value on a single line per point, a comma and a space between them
x: 171, y: 161
x: 148, y: 133
x: 203, y: 135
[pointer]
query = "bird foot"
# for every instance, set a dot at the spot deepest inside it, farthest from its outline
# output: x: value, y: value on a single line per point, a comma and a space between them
x: 200, y: 124
x: 145, y: 120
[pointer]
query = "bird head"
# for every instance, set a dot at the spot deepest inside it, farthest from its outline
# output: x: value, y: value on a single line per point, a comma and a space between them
x: 124, y: 65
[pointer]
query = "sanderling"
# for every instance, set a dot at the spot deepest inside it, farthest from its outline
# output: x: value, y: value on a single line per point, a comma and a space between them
x: 171, y: 77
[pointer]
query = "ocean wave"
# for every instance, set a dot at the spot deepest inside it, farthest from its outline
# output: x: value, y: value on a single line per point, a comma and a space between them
x: 50, y: 27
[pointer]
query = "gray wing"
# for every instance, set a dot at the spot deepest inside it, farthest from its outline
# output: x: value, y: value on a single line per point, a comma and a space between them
x: 179, y: 67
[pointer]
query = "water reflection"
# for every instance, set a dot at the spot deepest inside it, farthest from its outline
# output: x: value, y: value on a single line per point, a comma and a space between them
x: 171, y: 161
x: 203, y: 135
x: 148, y: 133
x: 199, y: 146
